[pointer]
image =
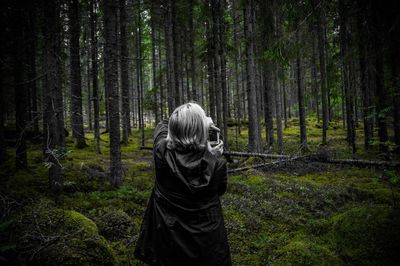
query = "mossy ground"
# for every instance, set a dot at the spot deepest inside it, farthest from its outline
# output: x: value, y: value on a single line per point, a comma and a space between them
x: 303, y: 214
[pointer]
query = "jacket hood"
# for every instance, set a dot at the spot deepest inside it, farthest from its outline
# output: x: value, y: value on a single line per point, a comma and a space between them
x: 193, y: 168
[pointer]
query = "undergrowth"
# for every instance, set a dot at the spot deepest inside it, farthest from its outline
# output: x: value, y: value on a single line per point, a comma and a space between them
x: 303, y: 214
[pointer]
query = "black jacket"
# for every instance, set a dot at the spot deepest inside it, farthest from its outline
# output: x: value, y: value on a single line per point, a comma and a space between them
x: 183, y: 222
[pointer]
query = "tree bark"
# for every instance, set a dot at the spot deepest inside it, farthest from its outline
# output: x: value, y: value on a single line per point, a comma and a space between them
x: 111, y: 84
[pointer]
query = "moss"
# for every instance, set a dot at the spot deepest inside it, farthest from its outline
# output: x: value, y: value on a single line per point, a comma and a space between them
x: 255, y: 180
x: 318, y: 227
x: 234, y: 220
x: 113, y: 224
x: 368, y: 235
x: 51, y: 236
x: 304, y: 252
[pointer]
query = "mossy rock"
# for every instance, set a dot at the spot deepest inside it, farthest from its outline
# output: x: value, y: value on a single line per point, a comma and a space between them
x: 368, y: 235
x: 304, y: 252
x: 56, y: 237
x: 113, y: 224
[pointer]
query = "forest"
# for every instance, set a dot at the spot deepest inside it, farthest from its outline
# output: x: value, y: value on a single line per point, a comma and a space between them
x: 306, y: 94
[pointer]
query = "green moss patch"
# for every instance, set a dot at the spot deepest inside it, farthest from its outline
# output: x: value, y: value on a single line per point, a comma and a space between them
x: 368, y: 235
x: 51, y: 236
x: 304, y: 252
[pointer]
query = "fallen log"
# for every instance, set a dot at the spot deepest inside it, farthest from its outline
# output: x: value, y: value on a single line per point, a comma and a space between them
x: 265, y: 165
x: 311, y: 157
x: 360, y: 162
x: 254, y: 154
x: 145, y: 148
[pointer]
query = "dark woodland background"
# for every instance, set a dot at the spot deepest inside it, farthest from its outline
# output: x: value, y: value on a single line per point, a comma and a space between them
x: 306, y: 94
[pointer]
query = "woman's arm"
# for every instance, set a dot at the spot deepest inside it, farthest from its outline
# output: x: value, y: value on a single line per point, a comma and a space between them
x: 222, y: 176
x: 160, y: 132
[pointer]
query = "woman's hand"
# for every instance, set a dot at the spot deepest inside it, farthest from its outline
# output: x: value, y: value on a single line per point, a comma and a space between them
x: 209, y: 121
x: 217, y: 150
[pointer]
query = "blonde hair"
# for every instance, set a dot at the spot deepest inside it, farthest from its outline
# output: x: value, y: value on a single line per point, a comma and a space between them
x: 187, y: 128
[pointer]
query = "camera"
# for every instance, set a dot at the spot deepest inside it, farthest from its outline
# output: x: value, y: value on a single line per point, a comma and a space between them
x: 213, y: 135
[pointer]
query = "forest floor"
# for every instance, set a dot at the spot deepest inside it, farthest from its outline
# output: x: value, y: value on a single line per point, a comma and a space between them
x: 303, y: 213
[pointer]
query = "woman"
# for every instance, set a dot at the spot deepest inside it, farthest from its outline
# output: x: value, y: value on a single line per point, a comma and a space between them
x: 183, y: 222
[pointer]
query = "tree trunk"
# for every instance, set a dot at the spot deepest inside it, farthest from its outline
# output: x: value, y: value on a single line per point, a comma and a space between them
x: 160, y: 80
x: 268, y: 108
x: 154, y: 62
x: 192, y: 37
x: 76, y: 82
x: 278, y: 116
x: 32, y: 65
x: 139, y: 71
x: 346, y: 77
x: 210, y: 66
x: 93, y: 37
x: 222, y: 56
x: 177, y: 50
x: 111, y: 84
x: 394, y: 54
x: 169, y: 45
x: 53, y: 115
x: 300, y: 97
x: 126, y: 121
x: 217, y: 61
x: 314, y: 79
x: 86, y: 41
x: 21, y: 101
x: 2, y: 113
x: 284, y: 103
x: 324, y: 79
x: 237, y: 99
x: 254, y: 137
